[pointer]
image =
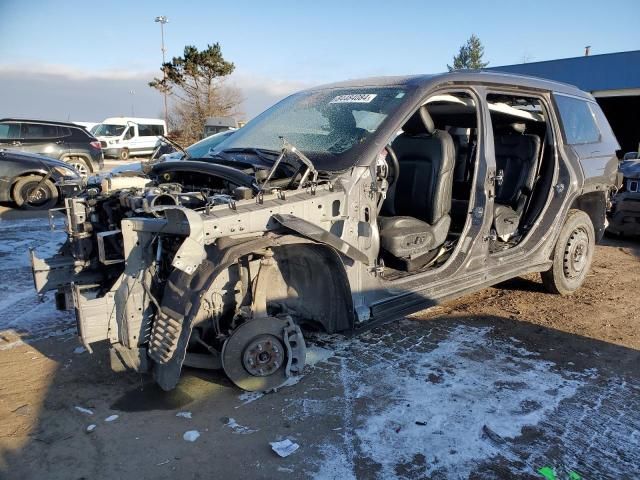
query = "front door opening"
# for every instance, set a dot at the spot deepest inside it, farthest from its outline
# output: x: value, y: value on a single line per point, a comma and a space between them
x: 427, y: 206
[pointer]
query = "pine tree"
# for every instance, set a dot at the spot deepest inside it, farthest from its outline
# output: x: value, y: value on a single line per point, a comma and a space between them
x: 470, y: 56
x: 196, y: 83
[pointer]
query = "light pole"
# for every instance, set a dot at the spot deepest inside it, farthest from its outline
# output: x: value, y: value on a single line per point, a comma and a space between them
x: 162, y: 20
x: 132, y: 93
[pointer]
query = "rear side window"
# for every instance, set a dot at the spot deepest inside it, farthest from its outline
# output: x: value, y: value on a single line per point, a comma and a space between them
x: 578, y: 119
x: 9, y: 131
x: 150, y: 130
x: 38, y: 130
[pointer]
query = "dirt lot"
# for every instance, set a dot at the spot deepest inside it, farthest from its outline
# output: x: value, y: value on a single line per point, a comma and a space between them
x: 494, y: 385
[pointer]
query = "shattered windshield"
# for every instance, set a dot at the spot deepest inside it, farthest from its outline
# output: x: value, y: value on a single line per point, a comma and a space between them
x: 326, y: 125
x: 107, y: 130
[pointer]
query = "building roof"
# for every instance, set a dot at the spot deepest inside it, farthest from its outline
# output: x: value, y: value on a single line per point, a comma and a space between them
x: 609, y: 71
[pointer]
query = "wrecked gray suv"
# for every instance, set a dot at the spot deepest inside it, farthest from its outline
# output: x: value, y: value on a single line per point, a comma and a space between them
x: 340, y: 206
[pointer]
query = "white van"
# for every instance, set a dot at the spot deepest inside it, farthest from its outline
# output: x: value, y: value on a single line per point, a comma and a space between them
x: 121, y: 137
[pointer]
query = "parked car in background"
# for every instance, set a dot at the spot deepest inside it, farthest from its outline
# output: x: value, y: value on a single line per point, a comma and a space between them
x: 63, y: 141
x: 36, y: 182
x: 122, y: 137
x: 624, y: 216
x: 198, y: 151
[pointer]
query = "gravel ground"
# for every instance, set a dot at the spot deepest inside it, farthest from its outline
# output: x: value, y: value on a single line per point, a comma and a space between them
x: 498, y: 384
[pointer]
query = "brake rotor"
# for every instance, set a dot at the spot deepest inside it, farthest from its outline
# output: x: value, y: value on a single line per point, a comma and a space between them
x: 262, y: 353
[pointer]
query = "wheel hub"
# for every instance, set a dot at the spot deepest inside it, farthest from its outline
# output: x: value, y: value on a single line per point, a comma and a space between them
x: 262, y: 353
x: 80, y: 167
x: 576, y: 253
x: 263, y: 356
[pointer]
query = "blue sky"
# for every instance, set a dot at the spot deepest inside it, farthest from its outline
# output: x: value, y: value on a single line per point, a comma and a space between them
x: 285, y: 45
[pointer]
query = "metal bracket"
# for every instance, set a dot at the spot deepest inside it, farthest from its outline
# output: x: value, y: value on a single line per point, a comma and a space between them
x: 378, y: 268
x: 52, y: 224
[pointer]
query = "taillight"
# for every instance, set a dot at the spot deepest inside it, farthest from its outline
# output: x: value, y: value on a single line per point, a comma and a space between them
x: 96, y: 144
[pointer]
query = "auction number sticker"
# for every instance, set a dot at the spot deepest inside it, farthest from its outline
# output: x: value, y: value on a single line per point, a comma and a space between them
x: 354, y: 98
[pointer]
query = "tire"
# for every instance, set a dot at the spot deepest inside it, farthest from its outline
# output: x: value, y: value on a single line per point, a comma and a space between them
x: 27, y: 195
x: 124, y: 154
x: 572, y: 255
x: 81, y: 164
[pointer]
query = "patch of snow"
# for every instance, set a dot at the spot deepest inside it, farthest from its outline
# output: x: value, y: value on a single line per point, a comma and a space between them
x: 248, y: 397
x: 84, y: 410
x: 237, y: 428
x: 284, y: 448
x: 316, y: 354
x: 191, y: 435
x: 467, y: 385
x: 91, y: 428
x: 183, y: 414
x: 21, y: 310
x: 111, y: 418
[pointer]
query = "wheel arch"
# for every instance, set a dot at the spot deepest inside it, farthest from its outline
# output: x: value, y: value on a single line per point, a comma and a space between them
x: 81, y: 155
x: 594, y: 204
x: 26, y: 173
x: 184, y: 293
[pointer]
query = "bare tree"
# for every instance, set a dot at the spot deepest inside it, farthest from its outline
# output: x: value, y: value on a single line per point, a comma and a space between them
x: 196, y: 83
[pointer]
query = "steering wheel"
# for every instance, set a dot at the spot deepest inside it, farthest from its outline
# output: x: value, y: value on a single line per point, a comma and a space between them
x: 393, y: 167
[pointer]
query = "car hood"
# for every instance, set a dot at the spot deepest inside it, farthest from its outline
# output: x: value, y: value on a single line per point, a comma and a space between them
x: 33, y: 157
x: 630, y: 169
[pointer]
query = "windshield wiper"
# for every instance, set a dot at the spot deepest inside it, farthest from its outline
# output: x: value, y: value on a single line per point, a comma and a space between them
x: 261, y: 153
x: 289, y: 148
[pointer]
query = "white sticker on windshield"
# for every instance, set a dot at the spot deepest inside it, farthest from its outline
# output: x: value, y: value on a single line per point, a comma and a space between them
x: 354, y: 98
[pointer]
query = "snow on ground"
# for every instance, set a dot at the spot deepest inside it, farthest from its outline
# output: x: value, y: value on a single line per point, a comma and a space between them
x: 22, y: 313
x: 443, y: 408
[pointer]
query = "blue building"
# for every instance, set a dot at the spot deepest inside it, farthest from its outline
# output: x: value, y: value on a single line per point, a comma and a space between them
x: 612, y: 78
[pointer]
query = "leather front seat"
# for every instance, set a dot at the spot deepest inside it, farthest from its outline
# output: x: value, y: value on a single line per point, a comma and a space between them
x: 418, y: 209
x: 516, y: 156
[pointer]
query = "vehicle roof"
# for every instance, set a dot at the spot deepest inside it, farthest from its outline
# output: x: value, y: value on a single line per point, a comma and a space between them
x: 427, y: 81
x: 116, y: 120
x: 47, y: 122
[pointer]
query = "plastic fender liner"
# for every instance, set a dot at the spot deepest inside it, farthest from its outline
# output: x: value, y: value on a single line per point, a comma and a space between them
x: 184, y: 293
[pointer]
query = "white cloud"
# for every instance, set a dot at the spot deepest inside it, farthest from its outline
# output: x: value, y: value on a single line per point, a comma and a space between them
x: 56, y: 91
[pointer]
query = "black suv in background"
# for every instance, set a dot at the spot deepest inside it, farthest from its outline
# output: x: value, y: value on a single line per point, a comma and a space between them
x: 60, y: 140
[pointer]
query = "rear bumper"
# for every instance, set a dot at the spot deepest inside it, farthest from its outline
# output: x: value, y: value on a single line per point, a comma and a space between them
x: 111, y: 152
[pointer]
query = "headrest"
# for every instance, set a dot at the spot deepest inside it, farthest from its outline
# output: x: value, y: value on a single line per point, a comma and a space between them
x: 419, y: 123
x: 519, y: 127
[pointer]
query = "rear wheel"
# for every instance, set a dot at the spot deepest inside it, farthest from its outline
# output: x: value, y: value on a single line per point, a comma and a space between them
x: 80, y: 164
x: 124, y: 154
x: 572, y: 255
x: 31, y: 193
